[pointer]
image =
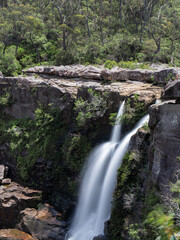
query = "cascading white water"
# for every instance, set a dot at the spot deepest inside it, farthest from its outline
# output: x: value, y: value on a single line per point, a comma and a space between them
x: 116, y: 131
x: 104, y: 204
x: 98, y: 184
x: 86, y: 212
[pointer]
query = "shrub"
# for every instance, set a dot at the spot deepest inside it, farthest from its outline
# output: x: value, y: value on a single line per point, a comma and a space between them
x: 94, y: 106
x: 110, y: 64
x: 9, y: 65
x: 64, y: 58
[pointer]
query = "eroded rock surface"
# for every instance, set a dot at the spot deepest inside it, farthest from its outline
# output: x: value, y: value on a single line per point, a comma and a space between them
x: 165, y: 147
x: 158, y: 76
x: 14, y: 234
x: 43, y: 223
x: 172, y: 91
x: 27, y: 93
x: 73, y: 71
x: 13, y: 199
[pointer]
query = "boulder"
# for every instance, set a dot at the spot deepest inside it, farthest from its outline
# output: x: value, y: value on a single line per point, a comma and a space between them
x: 14, y: 234
x: 13, y: 199
x: 43, y: 224
x: 6, y: 181
x: 172, y: 91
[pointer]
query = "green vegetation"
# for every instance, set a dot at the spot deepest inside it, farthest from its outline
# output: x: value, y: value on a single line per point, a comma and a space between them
x: 158, y: 221
x: 126, y: 64
x: 129, y: 184
x: 44, y: 141
x: 161, y: 223
x: 31, y: 140
x: 87, y: 31
x: 134, y: 111
x: 74, y: 151
x: 94, y: 105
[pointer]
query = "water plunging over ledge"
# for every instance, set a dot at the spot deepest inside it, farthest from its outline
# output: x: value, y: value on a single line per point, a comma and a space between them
x: 98, y: 184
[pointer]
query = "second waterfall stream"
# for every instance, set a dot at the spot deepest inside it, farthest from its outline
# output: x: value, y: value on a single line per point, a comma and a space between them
x: 98, y: 183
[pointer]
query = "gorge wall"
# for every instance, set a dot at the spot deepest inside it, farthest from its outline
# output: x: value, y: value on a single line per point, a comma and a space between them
x: 53, y: 116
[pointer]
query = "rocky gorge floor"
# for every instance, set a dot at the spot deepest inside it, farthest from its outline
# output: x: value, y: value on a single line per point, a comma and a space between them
x: 24, y: 213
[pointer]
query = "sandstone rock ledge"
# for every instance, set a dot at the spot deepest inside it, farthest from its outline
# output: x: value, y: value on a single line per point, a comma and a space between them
x: 14, y: 234
x: 43, y: 224
x: 28, y: 92
x: 156, y: 75
x: 13, y: 199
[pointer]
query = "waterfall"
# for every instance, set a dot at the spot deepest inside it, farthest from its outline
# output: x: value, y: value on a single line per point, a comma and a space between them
x: 108, y: 186
x: 116, y: 132
x: 99, y: 180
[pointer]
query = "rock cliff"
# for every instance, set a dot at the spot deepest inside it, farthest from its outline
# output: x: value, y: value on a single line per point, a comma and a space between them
x: 50, y: 119
x: 148, y: 181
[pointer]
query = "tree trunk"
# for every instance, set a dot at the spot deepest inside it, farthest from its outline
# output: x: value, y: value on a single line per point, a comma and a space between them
x: 120, y: 12
x: 64, y: 40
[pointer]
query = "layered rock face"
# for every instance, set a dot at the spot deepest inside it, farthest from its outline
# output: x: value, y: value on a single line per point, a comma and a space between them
x: 14, y: 234
x: 165, y: 146
x: 128, y: 205
x: 156, y: 75
x: 43, y: 224
x: 27, y: 93
x: 13, y: 199
x: 61, y: 87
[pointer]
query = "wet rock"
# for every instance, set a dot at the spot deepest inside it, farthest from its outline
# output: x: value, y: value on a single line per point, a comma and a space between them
x: 43, y: 224
x: 6, y: 181
x: 13, y: 199
x: 100, y: 237
x: 172, y: 91
x: 14, y: 234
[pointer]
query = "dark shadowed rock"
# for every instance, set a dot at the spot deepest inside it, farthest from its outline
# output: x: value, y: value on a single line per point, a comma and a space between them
x: 28, y: 92
x: 165, y: 147
x: 43, y: 223
x: 14, y: 234
x: 13, y: 199
x: 100, y: 237
x: 172, y: 91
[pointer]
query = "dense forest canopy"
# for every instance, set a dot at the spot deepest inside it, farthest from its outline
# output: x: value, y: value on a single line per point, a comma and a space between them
x: 87, y: 31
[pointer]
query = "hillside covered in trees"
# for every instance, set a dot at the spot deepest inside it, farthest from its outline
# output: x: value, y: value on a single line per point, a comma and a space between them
x: 47, y: 32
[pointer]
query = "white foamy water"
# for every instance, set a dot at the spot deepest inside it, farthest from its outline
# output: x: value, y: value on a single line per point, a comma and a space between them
x: 98, y: 184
